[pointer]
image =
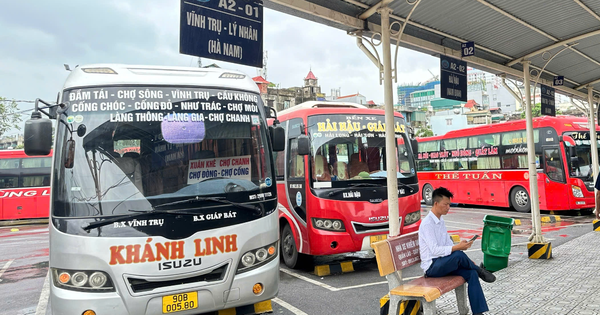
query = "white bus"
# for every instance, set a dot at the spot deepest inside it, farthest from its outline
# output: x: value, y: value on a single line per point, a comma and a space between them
x: 163, y: 195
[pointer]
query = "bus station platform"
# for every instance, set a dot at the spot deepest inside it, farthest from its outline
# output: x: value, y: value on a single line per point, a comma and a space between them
x: 568, y: 283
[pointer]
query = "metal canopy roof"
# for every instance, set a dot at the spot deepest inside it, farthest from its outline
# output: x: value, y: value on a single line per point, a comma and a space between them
x: 505, y: 32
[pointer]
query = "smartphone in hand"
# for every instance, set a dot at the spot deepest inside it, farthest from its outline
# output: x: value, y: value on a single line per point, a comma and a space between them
x: 473, y: 238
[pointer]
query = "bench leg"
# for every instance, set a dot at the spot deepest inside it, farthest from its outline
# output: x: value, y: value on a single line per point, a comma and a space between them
x: 394, y: 305
x: 461, y: 299
x: 429, y: 307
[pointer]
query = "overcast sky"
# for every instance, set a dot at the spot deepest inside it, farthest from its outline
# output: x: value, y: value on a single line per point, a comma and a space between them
x: 38, y: 37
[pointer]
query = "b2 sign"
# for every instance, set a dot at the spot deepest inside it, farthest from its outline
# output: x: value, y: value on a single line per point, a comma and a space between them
x: 468, y: 49
x: 227, y: 30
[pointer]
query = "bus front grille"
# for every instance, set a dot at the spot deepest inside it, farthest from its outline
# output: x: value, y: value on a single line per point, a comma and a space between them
x: 139, y: 285
x: 360, y: 228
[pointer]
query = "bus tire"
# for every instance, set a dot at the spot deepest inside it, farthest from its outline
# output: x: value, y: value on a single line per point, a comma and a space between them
x: 289, y: 252
x: 428, y: 194
x: 519, y: 199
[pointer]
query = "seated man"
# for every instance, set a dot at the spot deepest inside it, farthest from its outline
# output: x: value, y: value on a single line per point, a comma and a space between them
x: 440, y: 257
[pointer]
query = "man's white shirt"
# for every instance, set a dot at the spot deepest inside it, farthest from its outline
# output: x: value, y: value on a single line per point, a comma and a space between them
x: 434, y: 240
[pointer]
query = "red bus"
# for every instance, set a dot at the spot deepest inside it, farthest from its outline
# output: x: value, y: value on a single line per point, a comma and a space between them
x: 487, y: 165
x: 331, y: 180
x: 24, y: 185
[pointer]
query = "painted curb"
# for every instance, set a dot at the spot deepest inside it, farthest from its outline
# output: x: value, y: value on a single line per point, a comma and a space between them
x: 257, y: 308
x: 23, y: 222
x: 539, y: 250
x: 411, y: 307
x: 326, y: 270
x: 550, y: 218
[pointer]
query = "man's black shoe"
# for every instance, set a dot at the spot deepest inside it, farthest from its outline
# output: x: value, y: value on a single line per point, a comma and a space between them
x: 486, y: 275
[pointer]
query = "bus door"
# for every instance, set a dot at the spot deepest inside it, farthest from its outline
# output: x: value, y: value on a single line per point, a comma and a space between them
x: 555, y: 188
x: 296, y: 178
x: 469, y: 183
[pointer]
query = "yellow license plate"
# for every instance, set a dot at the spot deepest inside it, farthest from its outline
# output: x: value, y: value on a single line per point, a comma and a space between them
x: 377, y: 238
x: 180, y: 302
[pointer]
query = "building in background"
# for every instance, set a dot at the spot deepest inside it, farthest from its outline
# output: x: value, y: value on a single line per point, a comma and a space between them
x: 354, y: 98
x: 487, y: 89
x: 335, y: 93
x: 407, y: 90
x: 283, y: 98
x: 469, y: 115
x: 311, y: 87
x: 11, y: 142
x: 263, y: 84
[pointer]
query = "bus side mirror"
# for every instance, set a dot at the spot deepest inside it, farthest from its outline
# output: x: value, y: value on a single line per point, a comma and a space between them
x: 38, y: 135
x: 70, y: 153
x: 271, y: 113
x: 569, y: 143
x: 414, y: 145
x: 303, y: 145
x: 277, y: 137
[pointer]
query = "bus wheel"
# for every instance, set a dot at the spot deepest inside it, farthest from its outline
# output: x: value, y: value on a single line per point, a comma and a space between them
x: 427, y: 194
x: 289, y: 252
x: 519, y: 199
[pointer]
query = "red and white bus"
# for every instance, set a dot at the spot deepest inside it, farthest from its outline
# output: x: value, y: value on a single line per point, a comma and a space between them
x: 24, y: 185
x: 331, y: 180
x: 487, y: 165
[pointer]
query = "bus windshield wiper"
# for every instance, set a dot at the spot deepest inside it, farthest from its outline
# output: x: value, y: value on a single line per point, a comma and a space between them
x: 257, y: 210
x: 400, y: 184
x: 365, y: 185
x: 93, y: 225
x: 138, y: 213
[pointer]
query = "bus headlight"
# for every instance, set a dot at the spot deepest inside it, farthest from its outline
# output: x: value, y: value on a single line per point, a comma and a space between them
x: 79, y: 279
x: 412, y: 217
x: 257, y: 257
x: 98, y: 279
x: 328, y: 224
x: 576, y: 191
x: 82, y: 280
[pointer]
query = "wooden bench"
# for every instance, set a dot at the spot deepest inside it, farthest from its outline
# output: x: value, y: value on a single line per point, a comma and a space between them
x: 397, y: 253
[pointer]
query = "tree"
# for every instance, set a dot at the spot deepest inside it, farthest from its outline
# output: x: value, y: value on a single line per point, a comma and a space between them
x: 536, y: 111
x: 424, y: 132
x: 9, y: 118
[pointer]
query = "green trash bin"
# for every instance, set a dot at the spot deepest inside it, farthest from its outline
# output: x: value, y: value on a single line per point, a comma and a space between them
x: 496, y: 241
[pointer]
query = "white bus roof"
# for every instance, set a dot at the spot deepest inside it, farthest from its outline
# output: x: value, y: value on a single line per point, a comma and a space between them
x: 120, y: 74
x: 320, y: 104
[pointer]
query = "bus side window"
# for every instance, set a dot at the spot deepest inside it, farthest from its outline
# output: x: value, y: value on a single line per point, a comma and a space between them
x: 8, y: 182
x: 296, y: 167
x: 279, y: 164
x: 510, y: 162
x: 553, y: 164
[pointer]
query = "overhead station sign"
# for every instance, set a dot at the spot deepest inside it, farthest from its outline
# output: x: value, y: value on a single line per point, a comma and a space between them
x: 453, y: 78
x: 227, y: 30
x: 547, y: 98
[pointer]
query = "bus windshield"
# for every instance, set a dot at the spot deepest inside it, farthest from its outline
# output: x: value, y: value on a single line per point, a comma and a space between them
x: 350, y: 148
x: 580, y: 160
x: 138, y: 148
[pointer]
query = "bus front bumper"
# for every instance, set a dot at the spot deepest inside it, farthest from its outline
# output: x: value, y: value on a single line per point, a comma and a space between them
x: 210, y: 298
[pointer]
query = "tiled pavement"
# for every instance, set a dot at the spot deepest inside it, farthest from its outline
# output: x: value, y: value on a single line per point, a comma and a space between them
x: 569, y: 283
